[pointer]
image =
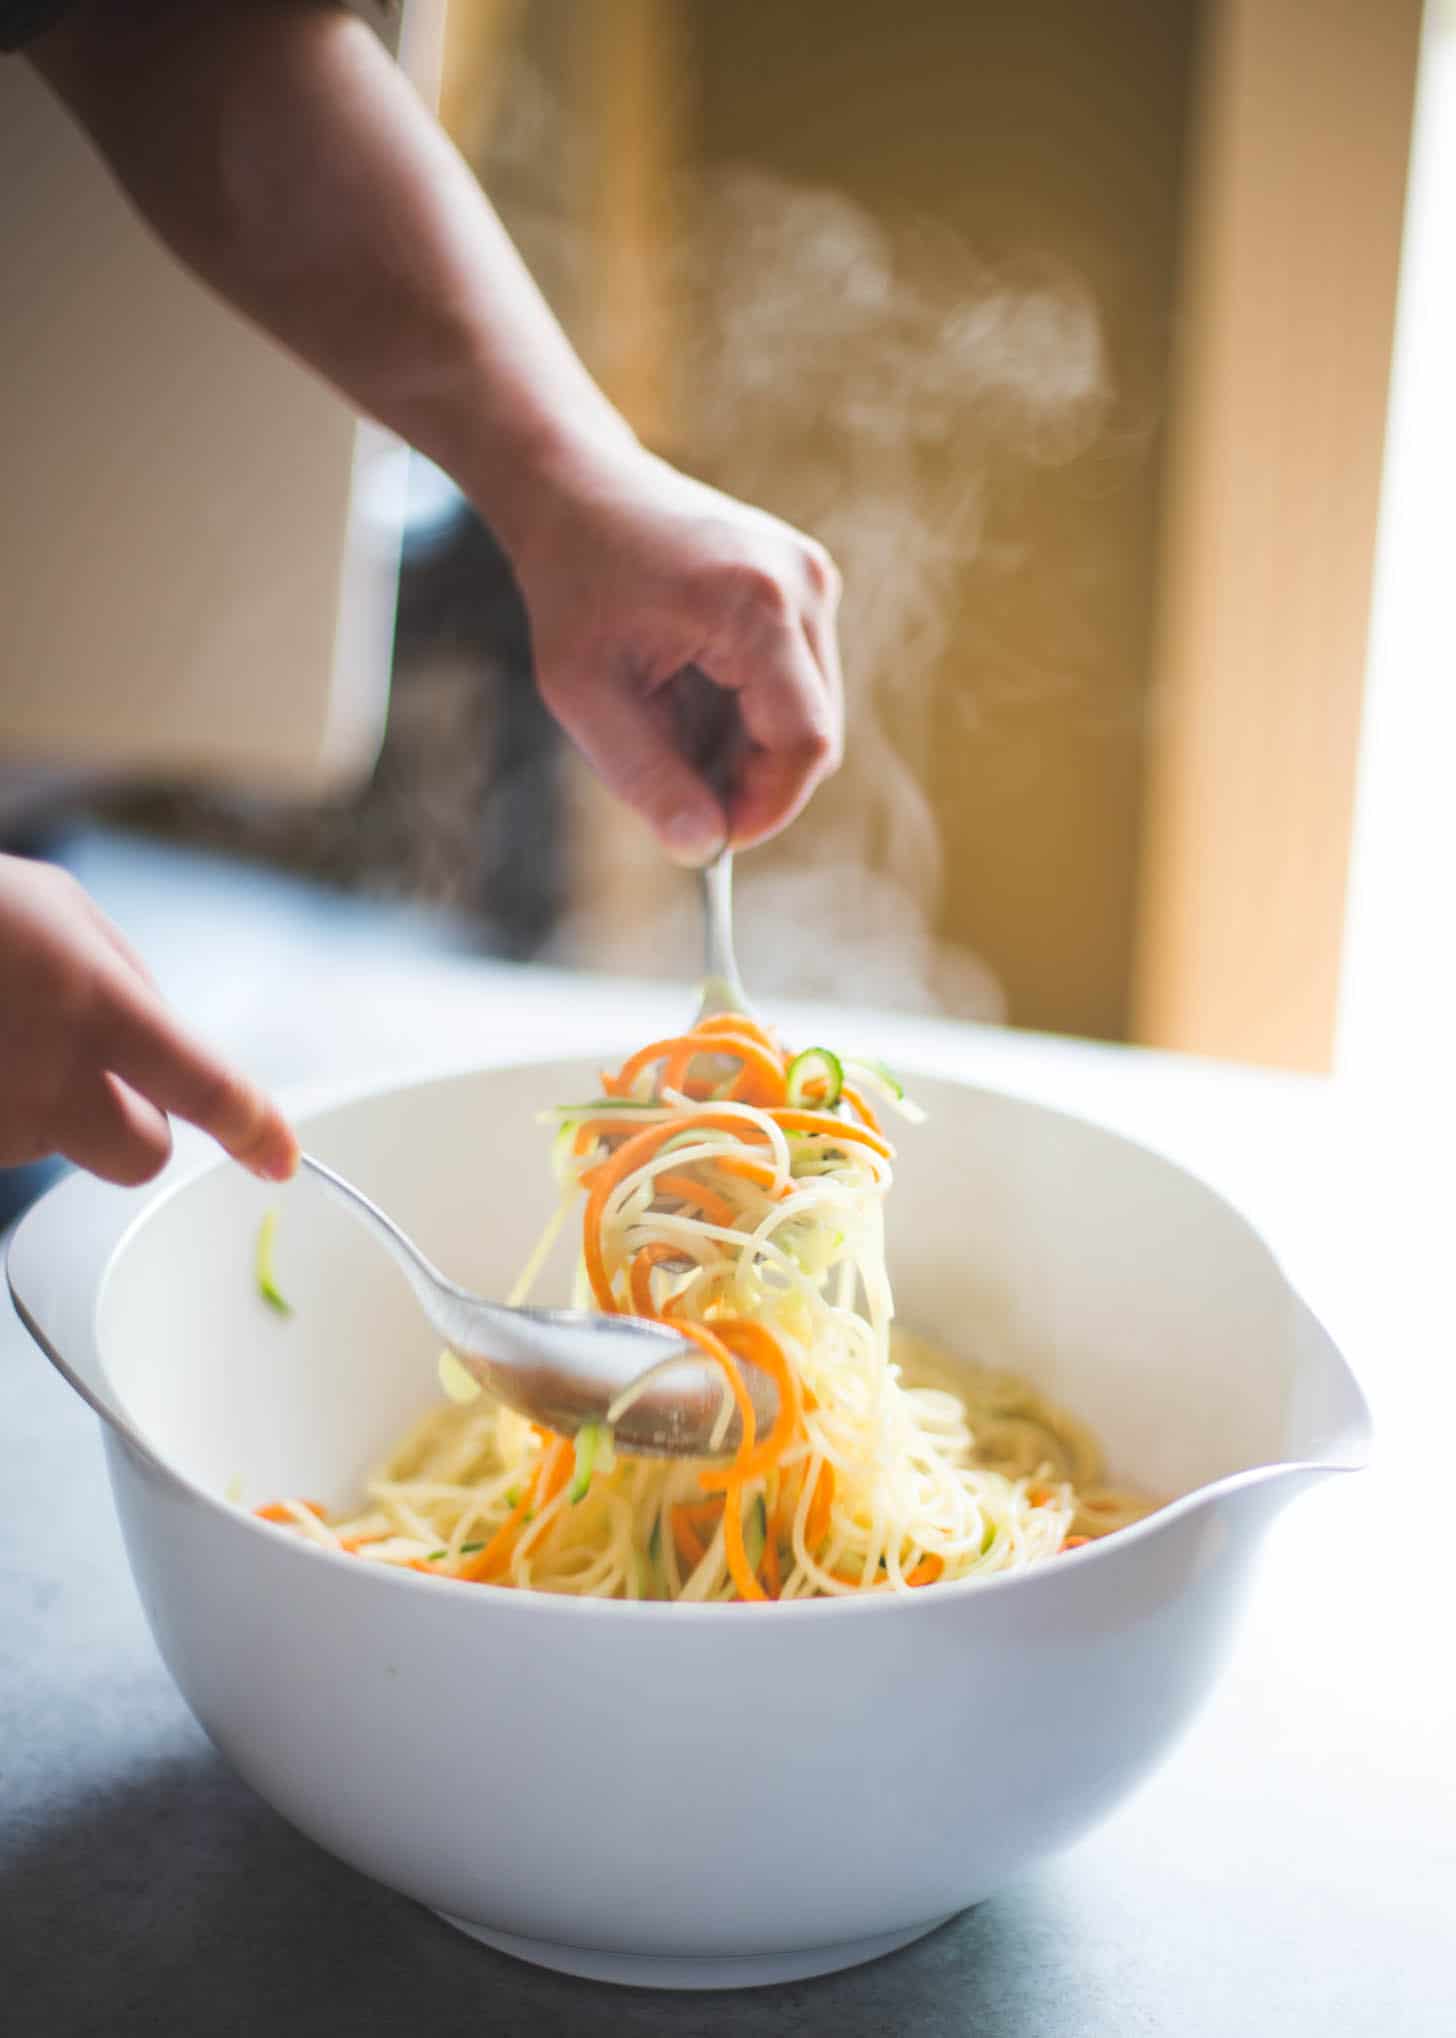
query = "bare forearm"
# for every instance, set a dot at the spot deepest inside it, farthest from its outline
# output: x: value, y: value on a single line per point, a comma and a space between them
x: 277, y: 149
x: 282, y: 155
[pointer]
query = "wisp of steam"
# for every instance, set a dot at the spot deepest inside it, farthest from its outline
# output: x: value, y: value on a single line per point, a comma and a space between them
x: 866, y: 382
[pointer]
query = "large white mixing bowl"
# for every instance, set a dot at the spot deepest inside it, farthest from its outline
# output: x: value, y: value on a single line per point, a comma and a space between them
x: 693, y: 1796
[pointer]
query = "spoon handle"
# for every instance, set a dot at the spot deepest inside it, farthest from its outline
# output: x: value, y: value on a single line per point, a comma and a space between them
x: 565, y: 1367
x: 492, y: 1338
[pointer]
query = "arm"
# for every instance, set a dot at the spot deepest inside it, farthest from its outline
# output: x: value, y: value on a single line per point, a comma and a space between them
x: 274, y: 146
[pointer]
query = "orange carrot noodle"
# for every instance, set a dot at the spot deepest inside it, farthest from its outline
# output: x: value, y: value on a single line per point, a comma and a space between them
x: 755, y: 1226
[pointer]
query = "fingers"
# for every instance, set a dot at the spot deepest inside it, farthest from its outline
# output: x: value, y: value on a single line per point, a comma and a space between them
x: 109, y: 1130
x: 792, y: 715
x: 822, y: 636
x: 112, y: 935
x: 152, y: 1054
x: 672, y: 576
x: 821, y: 633
x: 629, y: 737
x: 780, y: 653
x: 90, y: 1059
x: 794, y: 719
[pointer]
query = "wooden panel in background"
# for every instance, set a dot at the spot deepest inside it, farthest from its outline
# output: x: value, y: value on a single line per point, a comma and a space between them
x: 1001, y: 575
x: 475, y: 69
x: 1046, y: 139
x: 1293, y: 247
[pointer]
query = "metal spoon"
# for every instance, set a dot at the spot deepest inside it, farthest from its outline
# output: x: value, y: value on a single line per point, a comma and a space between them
x: 566, y: 1367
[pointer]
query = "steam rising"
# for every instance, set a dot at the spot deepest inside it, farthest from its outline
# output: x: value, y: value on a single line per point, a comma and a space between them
x: 874, y: 386
x: 874, y: 383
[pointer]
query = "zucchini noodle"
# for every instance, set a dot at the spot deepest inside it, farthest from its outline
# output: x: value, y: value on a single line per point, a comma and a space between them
x: 738, y: 1192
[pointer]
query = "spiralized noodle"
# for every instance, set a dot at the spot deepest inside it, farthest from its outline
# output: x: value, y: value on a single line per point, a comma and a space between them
x: 739, y: 1193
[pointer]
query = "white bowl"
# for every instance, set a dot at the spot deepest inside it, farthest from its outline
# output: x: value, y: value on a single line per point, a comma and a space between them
x: 687, y: 1796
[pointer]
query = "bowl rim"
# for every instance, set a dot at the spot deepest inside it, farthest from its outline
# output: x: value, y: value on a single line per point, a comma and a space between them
x: 830, y: 1605
x: 196, y: 1158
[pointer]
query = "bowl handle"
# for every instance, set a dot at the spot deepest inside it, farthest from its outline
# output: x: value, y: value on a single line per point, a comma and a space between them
x: 56, y: 1263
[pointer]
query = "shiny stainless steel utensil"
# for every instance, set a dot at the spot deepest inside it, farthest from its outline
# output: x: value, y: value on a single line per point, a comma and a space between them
x: 722, y: 986
x: 566, y: 1367
x: 711, y: 736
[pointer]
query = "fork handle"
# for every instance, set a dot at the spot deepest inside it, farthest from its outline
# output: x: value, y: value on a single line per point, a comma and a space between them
x: 708, y: 730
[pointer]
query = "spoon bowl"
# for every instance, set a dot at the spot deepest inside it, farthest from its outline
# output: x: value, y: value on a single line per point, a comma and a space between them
x: 565, y: 1368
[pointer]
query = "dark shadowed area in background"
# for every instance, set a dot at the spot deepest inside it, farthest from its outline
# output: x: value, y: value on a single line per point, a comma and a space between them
x: 463, y: 811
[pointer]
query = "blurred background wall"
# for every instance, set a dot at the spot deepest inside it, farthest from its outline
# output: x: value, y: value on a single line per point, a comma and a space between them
x: 908, y: 279
x: 1067, y: 326
x: 198, y: 541
x: 1025, y: 166
x: 1069, y: 329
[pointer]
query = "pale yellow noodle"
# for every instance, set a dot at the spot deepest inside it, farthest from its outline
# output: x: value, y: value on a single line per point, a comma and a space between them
x: 931, y: 1459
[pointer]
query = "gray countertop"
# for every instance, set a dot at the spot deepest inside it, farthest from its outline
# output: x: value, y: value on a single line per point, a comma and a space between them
x: 1291, y: 1870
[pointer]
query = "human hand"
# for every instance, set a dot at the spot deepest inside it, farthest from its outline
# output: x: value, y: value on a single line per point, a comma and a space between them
x: 398, y: 284
x: 632, y: 572
x: 90, y: 1058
